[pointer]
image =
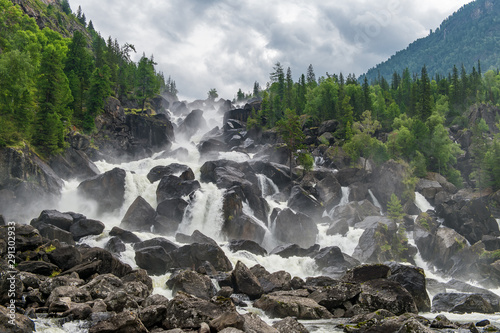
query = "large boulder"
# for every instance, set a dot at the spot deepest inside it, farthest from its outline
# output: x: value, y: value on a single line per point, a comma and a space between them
x: 332, y: 261
x: 189, y: 312
x: 171, y: 212
x: 334, y: 297
x: 65, y: 256
x: 191, y: 124
x: 52, y: 232
x: 470, y: 218
x: 97, y: 260
x: 412, y: 279
x: 125, y: 321
x: 107, y: 189
x: 192, y: 283
x: 247, y: 245
x: 304, y: 202
x: 154, y: 259
x: 196, y: 255
x: 140, y: 216
x: 86, y: 227
x: 387, y: 180
x: 296, y: 228
x: 245, y: 282
x: 55, y: 218
x: 173, y: 187
x: 352, y: 213
x: 125, y: 235
x: 270, y: 282
x: 283, y: 304
x: 244, y: 227
x: 24, y: 180
x: 160, y: 171
x: 73, y: 163
x: 12, y: 322
x: 382, y: 241
x: 149, y: 134
x: 385, y: 294
x: 465, y: 303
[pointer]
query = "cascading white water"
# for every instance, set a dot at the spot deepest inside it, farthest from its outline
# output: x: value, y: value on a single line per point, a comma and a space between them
x: 267, y: 186
x: 422, y: 203
x: 376, y: 203
x: 344, y: 200
x: 205, y: 212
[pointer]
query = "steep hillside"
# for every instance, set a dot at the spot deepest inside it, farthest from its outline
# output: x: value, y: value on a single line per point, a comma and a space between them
x: 50, y: 14
x: 470, y: 34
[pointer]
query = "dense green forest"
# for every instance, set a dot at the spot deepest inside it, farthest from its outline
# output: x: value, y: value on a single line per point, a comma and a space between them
x: 468, y: 35
x: 406, y: 119
x: 50, y: 84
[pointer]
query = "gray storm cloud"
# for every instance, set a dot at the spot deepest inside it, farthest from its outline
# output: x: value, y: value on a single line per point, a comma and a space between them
x: 228, y: 45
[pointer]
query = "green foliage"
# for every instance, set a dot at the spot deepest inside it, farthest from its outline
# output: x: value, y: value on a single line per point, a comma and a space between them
x: 394, y: 209
x: 306, y: 161
x: 291, y: 132
x: 212, y: 94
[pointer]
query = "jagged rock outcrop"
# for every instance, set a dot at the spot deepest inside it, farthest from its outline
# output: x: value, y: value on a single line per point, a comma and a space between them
x: 107, y: 189
x: 296, y: 228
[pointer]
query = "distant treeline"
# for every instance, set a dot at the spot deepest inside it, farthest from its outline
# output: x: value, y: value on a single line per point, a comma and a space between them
x: 50, y: 84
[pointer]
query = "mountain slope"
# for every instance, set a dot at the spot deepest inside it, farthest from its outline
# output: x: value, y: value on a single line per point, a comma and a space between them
x: 470, y: 34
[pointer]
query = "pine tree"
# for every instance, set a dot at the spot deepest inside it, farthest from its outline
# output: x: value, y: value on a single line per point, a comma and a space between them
x: 311, y: 77
x: 291, y: 132
x: 394, y: 209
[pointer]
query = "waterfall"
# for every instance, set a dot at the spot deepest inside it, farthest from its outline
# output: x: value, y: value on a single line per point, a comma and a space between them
x: 204, y: 212
x: 376, y: 203
x: 344, y: 200
x: 422, y: 203
x: 267, y: 186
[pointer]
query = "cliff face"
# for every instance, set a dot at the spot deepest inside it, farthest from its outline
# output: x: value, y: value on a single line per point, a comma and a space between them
x: 48, y: 13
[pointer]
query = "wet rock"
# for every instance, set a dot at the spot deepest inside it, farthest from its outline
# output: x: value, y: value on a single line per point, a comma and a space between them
x: 228, y: 320
x: 154, y: 259
x: 86, y: 227
x: 49, y: 284
x: 189, y: 312
x: 244, y: 227
x: 122, y: 322
x: 253, y: 323
x: 245, y: 282
x: 413, y: 280
x: 470, y: 218
x: 73, y: 164
x: 198, y: 255
x: 107, y: 189
x: 388, y: 295
x: 125, y: 235
x: 247, y: 245
x: 173, y: 210
x: 115, y: 245
x: 172, y: 187
x: 55, y: 218
x: 304, y: 202
x: 75, y: 294
x: 157, y: 241
x: 270, y: 282
x: 278, y: 173
x: 196, y: 237
x: 96, y: 260
x: 160, y: 171
x: 293, y: 250
x: 348, y: 176
x: 103, y: 285
x: 290, y: 325
x: 465, y: 303
x: 191, y: 124
x: 192, y: 283
x: 335, y: 295
x: 149, y: 134
x: 38, y: 267
x: 22, y: 324
x: 120, y: 301
x: 139, y: 275
x: 388, y: 180
x: 282, y: 306
x: 365, y: 273
x: 381, y: 242
x: 152, y: 315
x: 295, y: 228
x: 65, y: 256
x: 332, y: 260
x: 441, y: 322
x: 52, y: 232
x: 140, y: 216
x: 428, y: 188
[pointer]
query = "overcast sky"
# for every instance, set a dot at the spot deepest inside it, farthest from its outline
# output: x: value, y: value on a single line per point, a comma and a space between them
x: 230, y: 44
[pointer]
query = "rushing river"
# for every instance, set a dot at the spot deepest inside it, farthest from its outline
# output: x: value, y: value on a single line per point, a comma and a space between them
x: 205, y: 214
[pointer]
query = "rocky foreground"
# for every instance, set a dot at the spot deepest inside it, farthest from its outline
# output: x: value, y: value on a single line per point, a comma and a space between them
x: 71, y: 282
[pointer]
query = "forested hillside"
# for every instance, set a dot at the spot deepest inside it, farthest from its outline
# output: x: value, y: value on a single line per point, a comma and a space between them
x: 50, y: 84
x: 470, y: 34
